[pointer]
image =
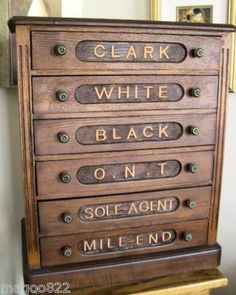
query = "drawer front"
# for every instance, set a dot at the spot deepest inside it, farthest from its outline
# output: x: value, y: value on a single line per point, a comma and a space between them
x: 121, y: 243
x: 123, y: 211
x: 93, y: 94
x: 100, y: 174
x: 89, y: 51
x: 96, y: 135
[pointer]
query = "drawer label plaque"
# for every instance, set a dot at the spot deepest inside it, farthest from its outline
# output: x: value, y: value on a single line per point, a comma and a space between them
x: 101, y: 51
x: 128, y: 133
x: 128, y: 209
x: 128, y: 93
x: 112, y: 173
x: 126, y: 242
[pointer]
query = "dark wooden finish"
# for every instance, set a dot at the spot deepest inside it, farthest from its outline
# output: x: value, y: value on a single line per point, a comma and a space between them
x: 45, y: 88
x: 50, y: 186
x: 43, y: 56
x: 122, y: 243
x: 95, y: 135
x: 95, y: 143
x: 127, y: 210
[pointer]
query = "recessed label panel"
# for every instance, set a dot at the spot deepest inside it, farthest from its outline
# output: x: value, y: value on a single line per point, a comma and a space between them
x: 97, y: 212
x: 108, y: 134
x: 128, y: 172
x: 128, y: 93
x: 107, y: 51
x: 126, y: 242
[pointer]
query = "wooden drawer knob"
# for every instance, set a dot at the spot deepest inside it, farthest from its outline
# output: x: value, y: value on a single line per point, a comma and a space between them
x: 188, y: 236
x: 63, y: 137
x: 191, y: 204
x: 67, y: 217
x: 67, y: 251
x: 198, y: 52
x: 60, y: 49
x: 61, y: 95
x: 193, y: 168
x: 65, y: 177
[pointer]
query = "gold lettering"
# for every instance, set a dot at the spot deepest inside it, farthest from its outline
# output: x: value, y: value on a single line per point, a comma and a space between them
x: 96, y: 53
x: 101, y: 135
x: 101, y: 244
x: 166, y: 236
x: 136, y: 91
x: 132, y: 52
x: 117, y: 209
x: 109, y: 245
x: 89, y: 212
x: 162, y: 165
x: 163, y: 51
x: 162, y: 130
x: 144, y: 206
x: 162, y: 92
x: 91, y: 247
x: 171, y: 205
x: 162, y: 205
x: 101, y: 172
x: 121, y: 241
x: 140, y: 240
x: 148, y: 50
x: 153, y: 239
x: 125, y: 92
x: 132, y: 134
x: 153, y: 205
x: 102, y: 210
x: 132, y: 208
x: 130, y: 172
x: 104, y: 91
x: 113, y: 54
x: 148, y: 90
x: 145, y: 132
x: 114, y: 136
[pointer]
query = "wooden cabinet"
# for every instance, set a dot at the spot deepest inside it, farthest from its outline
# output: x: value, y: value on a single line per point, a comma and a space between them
x: 122, y: 128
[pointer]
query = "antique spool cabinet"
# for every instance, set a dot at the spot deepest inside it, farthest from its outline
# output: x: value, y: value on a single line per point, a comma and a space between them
x: 122, y: 128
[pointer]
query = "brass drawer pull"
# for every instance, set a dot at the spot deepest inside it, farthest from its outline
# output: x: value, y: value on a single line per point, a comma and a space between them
x: 65, y: 177
x: 60, y: 49
x: 63, y: 137
x: 194, y: 130
x: 67, y: 251
x: 193, y: 168
x: 61, y: 95
x: 188, y: 236
x: 67, y: 217
x: 195, y: 92
x: 198, y: 52
x: 191, y: 204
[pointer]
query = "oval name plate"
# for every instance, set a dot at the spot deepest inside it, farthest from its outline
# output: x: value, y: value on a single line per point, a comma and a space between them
x: 128, y: 93
x: 127, y: 242
x: 128, y: 172
x: 97, y: 212
x: 111, y: 134
x: 107, y: 51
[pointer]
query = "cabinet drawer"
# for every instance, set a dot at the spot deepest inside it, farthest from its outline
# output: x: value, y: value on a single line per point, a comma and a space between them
x: 101, y: 174
x: 97, y: 134
x: 118, y: 93
x: 93, y: 52
x: 121, y: 211
x: 121, y: 243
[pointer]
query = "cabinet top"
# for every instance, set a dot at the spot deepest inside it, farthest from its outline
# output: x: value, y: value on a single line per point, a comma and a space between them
x: 58, y: 21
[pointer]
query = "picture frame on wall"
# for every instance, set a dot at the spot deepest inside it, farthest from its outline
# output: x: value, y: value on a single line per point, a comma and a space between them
x: 195, y: 14
x: 9, y: 8
x: 199, y: 13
